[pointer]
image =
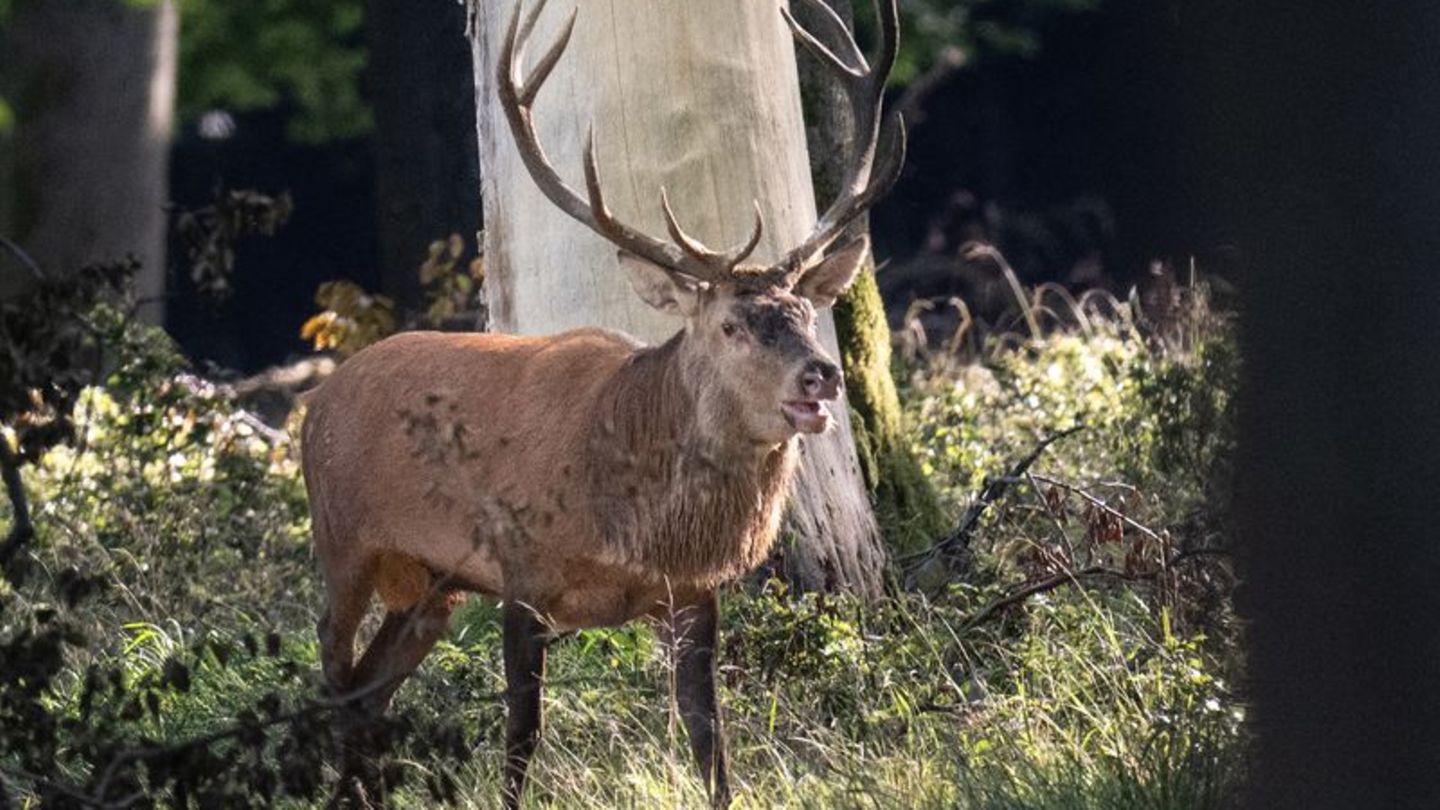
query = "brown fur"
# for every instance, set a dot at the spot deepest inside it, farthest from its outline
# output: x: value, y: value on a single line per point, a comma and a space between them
x: 584, y: 479
x: 668, y: 498
x: 582, y: 474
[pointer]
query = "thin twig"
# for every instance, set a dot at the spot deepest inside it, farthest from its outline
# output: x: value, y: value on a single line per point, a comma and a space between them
x: 1054, y: 517
x: 23, y: 257
x: 1100, y: 504
x: 912, y: 101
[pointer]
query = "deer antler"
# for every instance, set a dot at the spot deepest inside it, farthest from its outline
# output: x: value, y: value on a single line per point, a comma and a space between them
x: 865, y: 180
x: 685, y: 255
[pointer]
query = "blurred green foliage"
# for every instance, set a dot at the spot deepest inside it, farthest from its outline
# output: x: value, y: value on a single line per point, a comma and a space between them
x: 248, y: 55
x: 959, y: 32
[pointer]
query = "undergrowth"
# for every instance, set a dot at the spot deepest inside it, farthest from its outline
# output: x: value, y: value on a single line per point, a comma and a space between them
x: 1078, y: 654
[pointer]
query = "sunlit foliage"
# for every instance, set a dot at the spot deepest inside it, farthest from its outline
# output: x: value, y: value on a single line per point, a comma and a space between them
x: 1108, y: 689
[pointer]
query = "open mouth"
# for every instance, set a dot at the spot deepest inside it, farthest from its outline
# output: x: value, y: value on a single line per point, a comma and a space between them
x: 805, y: 415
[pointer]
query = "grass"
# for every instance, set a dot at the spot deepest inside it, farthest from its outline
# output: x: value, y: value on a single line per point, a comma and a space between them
x: 1104, y: 691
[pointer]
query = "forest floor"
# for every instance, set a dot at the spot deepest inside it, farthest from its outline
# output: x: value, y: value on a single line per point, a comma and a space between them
x: 1075, y: 649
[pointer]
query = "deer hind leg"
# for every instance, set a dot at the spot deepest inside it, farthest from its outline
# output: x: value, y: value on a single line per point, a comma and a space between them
x: 404, y: 639
x: 401, y: 643
x: 347, y: 590
x: 525, y: 640
x: 693, y: 633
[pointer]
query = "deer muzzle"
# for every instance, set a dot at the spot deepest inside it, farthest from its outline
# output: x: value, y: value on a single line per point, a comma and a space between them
x: 819, y: 383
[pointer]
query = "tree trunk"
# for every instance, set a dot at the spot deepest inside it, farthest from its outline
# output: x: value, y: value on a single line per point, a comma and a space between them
x: 419, y: 78
x: 905, y: 504
x: 1322, y: 132
x: 703, y: 100
x: 85, y: 172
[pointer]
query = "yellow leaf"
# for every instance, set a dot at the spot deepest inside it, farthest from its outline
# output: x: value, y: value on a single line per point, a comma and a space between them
x: 316, y: 325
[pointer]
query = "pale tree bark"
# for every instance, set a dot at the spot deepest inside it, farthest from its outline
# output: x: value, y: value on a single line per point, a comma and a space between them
x: 702, y: 99
x: 85, y: 172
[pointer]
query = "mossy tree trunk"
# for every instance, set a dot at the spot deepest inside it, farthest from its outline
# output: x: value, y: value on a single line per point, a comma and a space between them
x: 906, y: 506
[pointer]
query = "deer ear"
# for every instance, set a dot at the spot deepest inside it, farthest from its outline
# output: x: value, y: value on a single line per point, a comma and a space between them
x: 668, y: 292
x: 829, y: 279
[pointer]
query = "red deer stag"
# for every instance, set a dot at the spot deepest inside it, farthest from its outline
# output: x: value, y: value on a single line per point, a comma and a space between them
x: 584, y: 479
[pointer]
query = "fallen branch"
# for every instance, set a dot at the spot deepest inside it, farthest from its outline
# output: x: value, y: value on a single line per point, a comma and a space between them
x: 994, y: 489
x: 1039, y: 586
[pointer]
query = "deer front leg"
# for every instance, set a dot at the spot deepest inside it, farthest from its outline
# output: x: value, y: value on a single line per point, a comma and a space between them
x: 525, y: 639
x: 693, y: 631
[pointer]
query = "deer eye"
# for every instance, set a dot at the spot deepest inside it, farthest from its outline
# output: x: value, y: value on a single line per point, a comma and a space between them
x: 729, y: 328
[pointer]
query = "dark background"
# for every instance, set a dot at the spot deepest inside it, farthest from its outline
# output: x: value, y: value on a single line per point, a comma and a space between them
x: 1078, y: 161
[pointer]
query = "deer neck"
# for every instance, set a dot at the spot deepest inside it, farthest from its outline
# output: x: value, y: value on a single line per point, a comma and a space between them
x: 665, y: 400
x: 675, y: 490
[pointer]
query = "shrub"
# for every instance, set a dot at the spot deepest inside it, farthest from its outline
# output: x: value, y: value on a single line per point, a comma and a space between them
x: 1079, y: 659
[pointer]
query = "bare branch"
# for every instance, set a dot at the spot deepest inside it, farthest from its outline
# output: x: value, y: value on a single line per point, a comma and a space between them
x: 995, y: 488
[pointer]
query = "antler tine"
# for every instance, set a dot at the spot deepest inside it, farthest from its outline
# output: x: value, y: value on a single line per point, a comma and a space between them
x: 864, y: 181
x: 888, y: 13
x: 515, y: 100
x: 821, y: 50
x: 724, y: 262
x: 592, y: 181
x: 549, y: 59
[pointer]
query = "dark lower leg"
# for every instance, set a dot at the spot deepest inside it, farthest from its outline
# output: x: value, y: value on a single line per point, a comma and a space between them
x: 403, y: 641
x: 525, y: 640
x: 694, y: 631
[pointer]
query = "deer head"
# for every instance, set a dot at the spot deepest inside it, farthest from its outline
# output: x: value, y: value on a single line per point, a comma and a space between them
x: 750, y: 329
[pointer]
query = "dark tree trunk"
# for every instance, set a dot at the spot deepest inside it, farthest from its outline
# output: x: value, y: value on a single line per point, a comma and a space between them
x: 905, y: 504
x: 1324, y: 124
x: 421, y: 86
x: 83, y: 176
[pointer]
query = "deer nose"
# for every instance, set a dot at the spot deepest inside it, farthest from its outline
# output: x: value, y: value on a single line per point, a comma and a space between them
x: 821, y: 379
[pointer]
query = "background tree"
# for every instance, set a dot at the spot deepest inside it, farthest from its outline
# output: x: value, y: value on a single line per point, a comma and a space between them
x: 1321, y: 130
x: 83, y: 170
x: 421, y: 87
x: 673, y: 106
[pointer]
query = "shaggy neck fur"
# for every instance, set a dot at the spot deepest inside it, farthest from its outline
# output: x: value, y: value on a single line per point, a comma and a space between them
x: 674, y: 489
